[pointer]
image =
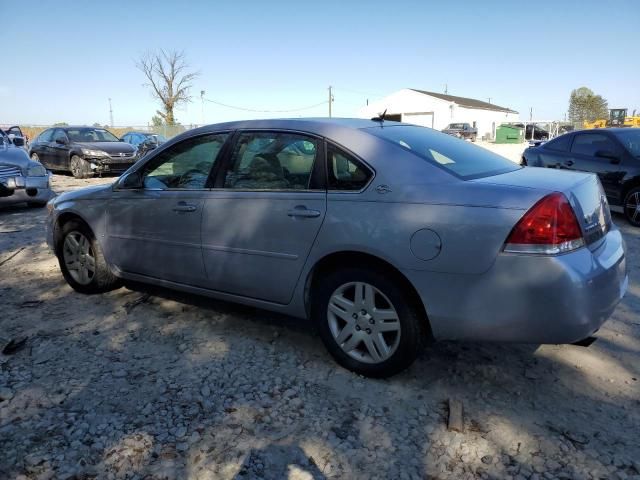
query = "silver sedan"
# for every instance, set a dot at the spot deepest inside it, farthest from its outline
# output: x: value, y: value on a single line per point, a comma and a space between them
x: 383, y: 234
x: 22, y: 180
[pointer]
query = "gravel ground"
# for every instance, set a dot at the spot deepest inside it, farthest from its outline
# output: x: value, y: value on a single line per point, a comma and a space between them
x: 144, y: 383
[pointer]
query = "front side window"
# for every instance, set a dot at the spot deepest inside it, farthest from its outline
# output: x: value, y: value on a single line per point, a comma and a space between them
x: 272, y: 161
x: 186, y: 165
x: 344, y: 172
x: 589, y: 144
x: 460, y: 158
x: 59, y: 135
x: 630, y: 138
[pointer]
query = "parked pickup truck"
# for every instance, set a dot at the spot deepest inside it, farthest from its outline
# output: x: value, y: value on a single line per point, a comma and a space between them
x: 462, y: 130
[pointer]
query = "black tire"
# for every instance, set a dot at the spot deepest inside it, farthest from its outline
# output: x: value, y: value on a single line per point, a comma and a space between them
x: 103, y: 279
x: 631, y: 201
x: 79, y: 167
x: 412, y: 332
x: 36, y: 204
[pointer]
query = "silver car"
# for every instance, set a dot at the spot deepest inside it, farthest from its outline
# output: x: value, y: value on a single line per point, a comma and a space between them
x: 383, y: 234
x: 22, y: 180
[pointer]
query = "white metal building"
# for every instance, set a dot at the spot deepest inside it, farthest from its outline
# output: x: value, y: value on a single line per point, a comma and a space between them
x: 437, y: 110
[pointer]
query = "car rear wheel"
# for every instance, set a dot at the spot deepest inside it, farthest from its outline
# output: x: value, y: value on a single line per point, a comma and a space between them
x: 79, y: 167
x: 366, y: 321
x: 632, y: 207
x: 81, y: 260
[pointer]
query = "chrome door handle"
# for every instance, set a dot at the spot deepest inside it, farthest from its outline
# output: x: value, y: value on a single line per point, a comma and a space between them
x: 184, y: 207
x: 302, y: 211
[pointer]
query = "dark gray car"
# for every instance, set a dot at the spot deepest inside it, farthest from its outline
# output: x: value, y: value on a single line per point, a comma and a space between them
x: 384, y: 234
x: 83, y: 151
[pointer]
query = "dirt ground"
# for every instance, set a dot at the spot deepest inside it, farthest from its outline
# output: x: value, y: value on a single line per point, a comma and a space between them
x: 145, y: 383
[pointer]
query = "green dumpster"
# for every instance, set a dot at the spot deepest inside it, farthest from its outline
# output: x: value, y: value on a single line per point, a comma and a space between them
x: 509, y: 134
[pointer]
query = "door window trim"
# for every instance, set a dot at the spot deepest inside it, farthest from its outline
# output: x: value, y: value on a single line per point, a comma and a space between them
x: 318, y: 176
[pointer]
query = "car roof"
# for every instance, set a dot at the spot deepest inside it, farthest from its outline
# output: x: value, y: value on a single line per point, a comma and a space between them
x: 320, y: 125
x: 70, y: 127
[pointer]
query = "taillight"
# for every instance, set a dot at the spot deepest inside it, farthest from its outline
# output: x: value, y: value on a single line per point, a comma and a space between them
x: 549, y: 227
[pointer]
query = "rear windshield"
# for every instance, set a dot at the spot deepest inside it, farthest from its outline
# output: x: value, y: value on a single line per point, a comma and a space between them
x: 461, y: 158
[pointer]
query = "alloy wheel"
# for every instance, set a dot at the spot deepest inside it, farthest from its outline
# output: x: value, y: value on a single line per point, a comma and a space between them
x: 632, y: 207
x: 76, y: 168
x: 79, y: 257
x: 363, y: 322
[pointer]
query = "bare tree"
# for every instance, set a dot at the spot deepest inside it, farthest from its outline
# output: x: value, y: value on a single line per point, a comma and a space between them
x: 170, y: 79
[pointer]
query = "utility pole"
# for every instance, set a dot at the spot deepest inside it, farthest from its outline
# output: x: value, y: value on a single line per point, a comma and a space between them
x: 330, y: 99
x: 530, y: 114
x: 202, y: 100
x: 446, y: 89
x: 110, y: 113
x: 489, y: 98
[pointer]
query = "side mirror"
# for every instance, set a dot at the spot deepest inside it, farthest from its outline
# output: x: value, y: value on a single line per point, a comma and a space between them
x: 614, y: 157
x: 61, y: 141
x: 132, y: 181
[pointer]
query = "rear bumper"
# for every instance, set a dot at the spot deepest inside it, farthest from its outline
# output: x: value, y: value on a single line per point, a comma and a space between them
x: 528, y: 299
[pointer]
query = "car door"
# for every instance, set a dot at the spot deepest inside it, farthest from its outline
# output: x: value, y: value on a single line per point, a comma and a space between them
x: 40, y: 147
x: 259, y: 225
x: 553, y: 154
x: 59, y: 150
x: 598, y: 153
x: 154, y: 228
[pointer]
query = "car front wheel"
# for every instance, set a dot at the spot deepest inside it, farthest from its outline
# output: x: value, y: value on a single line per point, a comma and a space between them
x: 81, y: 260
x: 632, y: 206
x: 366, y: 321
x: 79, y: 167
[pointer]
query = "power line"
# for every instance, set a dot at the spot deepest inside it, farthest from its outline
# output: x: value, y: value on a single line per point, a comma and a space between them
x: 244, y: 109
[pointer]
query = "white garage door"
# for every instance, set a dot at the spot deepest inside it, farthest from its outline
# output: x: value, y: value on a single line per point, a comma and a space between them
x: 424, y: 119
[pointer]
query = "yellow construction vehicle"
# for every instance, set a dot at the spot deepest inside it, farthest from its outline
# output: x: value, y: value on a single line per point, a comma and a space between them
x: 617, y: 118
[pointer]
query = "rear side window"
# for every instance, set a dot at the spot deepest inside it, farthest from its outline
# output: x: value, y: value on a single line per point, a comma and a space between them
x: 272, y: 161
x: 456, y: 156
x: 45, y: 136
x: 560, y: 144
x: 345, y: 172
x: 589, y: 144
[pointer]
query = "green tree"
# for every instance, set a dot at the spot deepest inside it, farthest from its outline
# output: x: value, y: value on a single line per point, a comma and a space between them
x: 170, y: 80
x: 156, y: 121
x: 61, y: 124
x: 586, y: 105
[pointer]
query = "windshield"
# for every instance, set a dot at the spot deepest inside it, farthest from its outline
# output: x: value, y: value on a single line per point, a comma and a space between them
x: 456, y: 126
x: 456, y: 156
x: 631, y: 140
x: 90, y: 135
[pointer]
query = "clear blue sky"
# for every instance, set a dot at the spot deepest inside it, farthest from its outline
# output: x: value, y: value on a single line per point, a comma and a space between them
x: 67, y: 58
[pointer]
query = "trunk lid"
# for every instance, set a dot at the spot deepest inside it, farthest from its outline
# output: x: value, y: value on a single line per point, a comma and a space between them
x: 583, y: 190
